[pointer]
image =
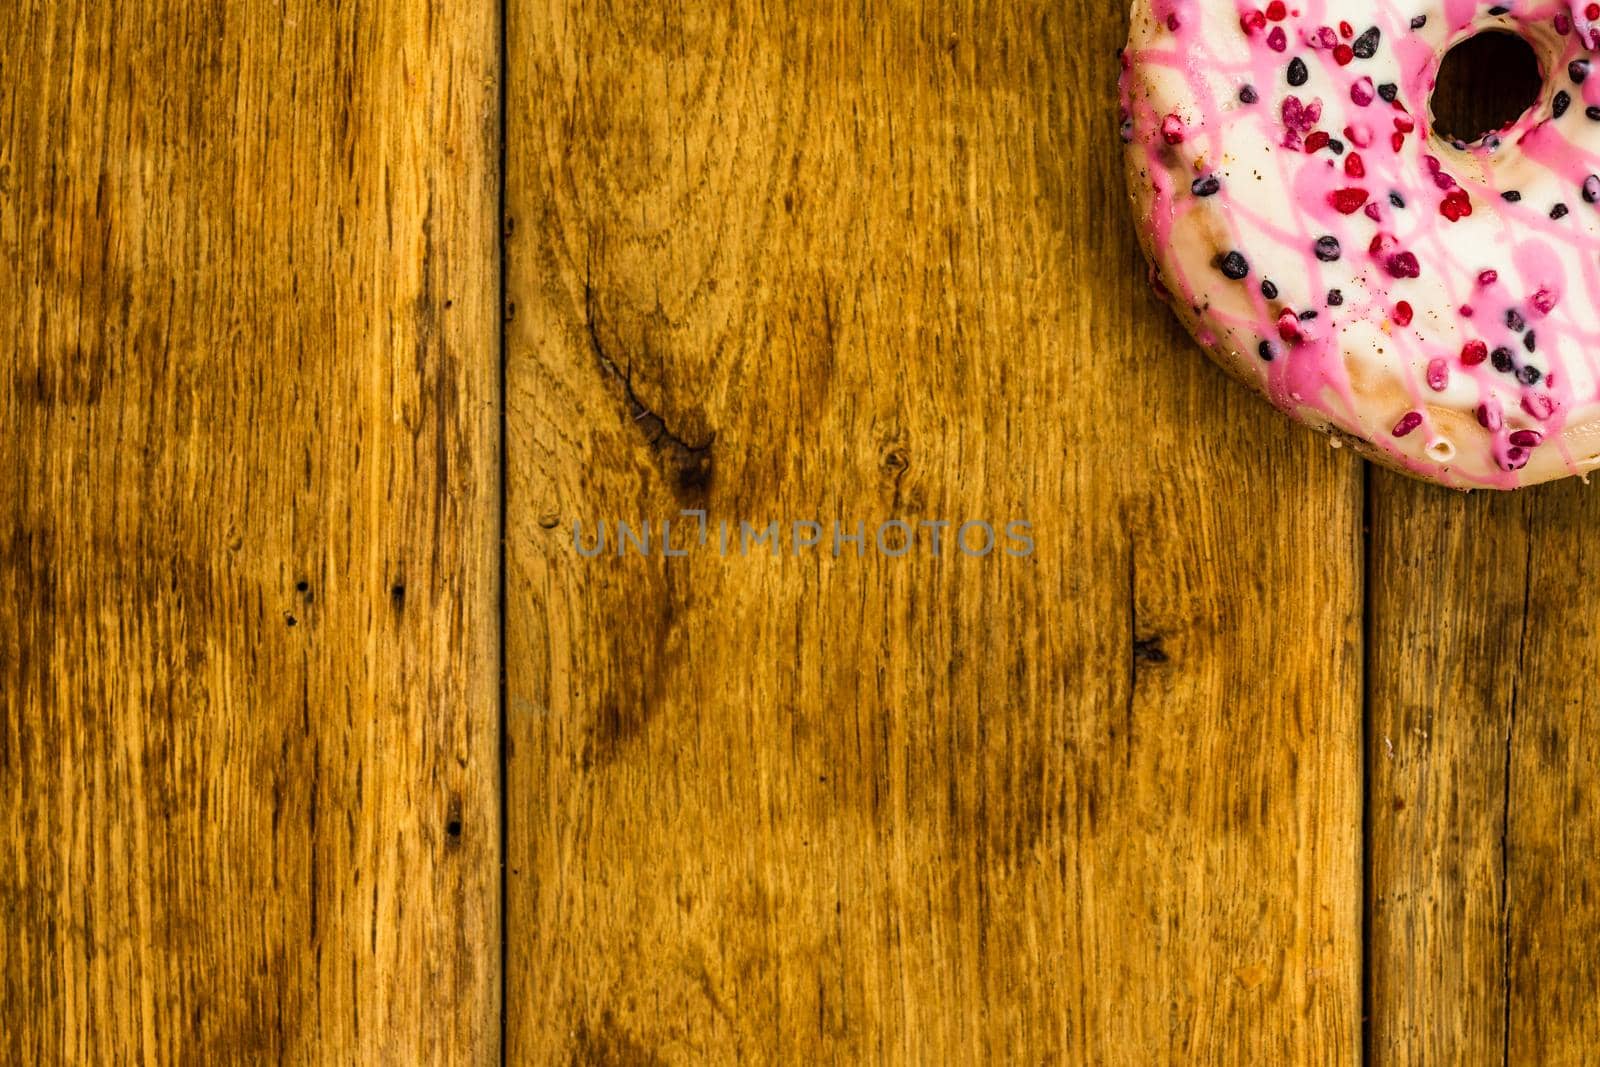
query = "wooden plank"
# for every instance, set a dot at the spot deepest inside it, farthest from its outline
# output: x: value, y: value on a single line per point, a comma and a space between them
x: 1482, y: 892
x: 248, y: 750
x: 1101, y: 804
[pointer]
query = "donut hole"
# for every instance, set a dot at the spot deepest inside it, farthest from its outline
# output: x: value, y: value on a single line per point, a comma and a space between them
x: 1441, y: 450
x: 1485, y: 84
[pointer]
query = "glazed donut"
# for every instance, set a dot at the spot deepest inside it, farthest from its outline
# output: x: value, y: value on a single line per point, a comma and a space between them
x: 1435, y: 303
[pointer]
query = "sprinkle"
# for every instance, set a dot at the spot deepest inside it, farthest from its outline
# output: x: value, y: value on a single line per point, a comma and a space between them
x: 1511, y: 196
x: 1234, y: 266
x: 1515, y: 459
x: 1593, y: 113
x: 1403, y: 265
x: 1277, y: 40
x: 1328, y: 249
x: 1343, y: 54
x: 1544, y: 301
x: 1529, y: 376
x: 1408, y: 422
x: 1489, y: 417
x: 1389, y: 91
x: 1366, y: 45
x: 1354, y: 166
x: 1316, y: 141
x: 1397, y: 200
x: 1403, y: 314
x: 1361, y: 92
x: 1172, y: 129
x: 1335, y: 298
x: 1558, y: 212
x: 1264, y: 350
x: 1501, y: 358
x: 1207, y: 186
x: 1289, y: 327
x: 1347, y: 201
x: 1474, y: 353
x: 1248, y: 95
x: 1488, y: 278
x: 1419, y: 22
x: 1530, y: 340
x: 1559, y: 105
x: 1438, y: 375
x: 1578, y: 70
x: 1298, y: 74
x: 1515, y: 321
x: 1269, y: 290
x: 1591, y: 189
x: 1373, y: 212
x: 1277, y: 11
x: 1456, y: 205
x: 1539, y: 405
x: 1527, y: 438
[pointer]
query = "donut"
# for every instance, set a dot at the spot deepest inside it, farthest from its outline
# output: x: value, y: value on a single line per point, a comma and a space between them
x: 1434, y: 303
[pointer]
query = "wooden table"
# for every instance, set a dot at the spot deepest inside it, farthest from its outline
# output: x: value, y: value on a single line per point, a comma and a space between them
x: 321, y: 742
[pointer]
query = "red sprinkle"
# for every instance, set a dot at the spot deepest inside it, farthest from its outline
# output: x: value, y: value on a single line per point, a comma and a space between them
x: 1488, y: 278
x: 1408, y: 422
x: 1397, y: 141
x: 1539, y: 405
x: 1474, y: 353
x: 1403, y: 314
x: 1289, y: 327
x: 1544, y: 301
x: 1316, y: 141
x: 1277, y: 40
x: 1403, y: 265
x: 1346, y: 30
x: 1438, y: 375
x: 1354, y: 167
x: 1361, y: 92
x: 1172, y: 129
x: 1277, y: 11
x: 1372, y: 212
x: 1489, y: 417
x: 1252, y: 22
x: 1527, y: 438
x: 1347, y: 201
x: 1456, y: 205
x: 1343, y: 54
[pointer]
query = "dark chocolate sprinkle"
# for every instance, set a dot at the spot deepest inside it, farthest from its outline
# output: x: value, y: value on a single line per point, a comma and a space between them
x: 1366, y: 46
x: 1515, y: 321
x: 1419, y: 22
x: 1530, y: 340
x: 1269, y: 290
x: 1511, y: 196
x: 1264, y: 350
x: 1501, y: 358
x: 1335, y: 298
x: 1234, y: 266
x: 1207, y: 186
x: 1578, y: 70
x: 1248, y: 95
x: 1389, y: 90
x: 1397, y: 200
x: 1307, y: 316
x: 1328, y: 249
x: 1559, y: 105
x: 1336, y: 146
x: 1529, y: 375
x: 1559, y: 211
x: 1298, y: 74
x: 1593, y: 113
x: 1499, y: 9
x: 1591, y: 189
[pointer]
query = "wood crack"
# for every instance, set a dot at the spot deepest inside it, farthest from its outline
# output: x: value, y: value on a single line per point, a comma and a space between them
x: 689, y: 466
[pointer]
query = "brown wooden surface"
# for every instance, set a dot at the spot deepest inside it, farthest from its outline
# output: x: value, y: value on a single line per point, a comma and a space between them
x: 248, y: 562
x: 1481, y: 762
x: 1258, y: 758
x: 1102, y: 804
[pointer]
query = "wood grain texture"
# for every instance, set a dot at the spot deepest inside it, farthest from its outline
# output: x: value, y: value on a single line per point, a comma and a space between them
x: 1481, y: 768
x: 248, y: 726
x: 1103, y: 804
